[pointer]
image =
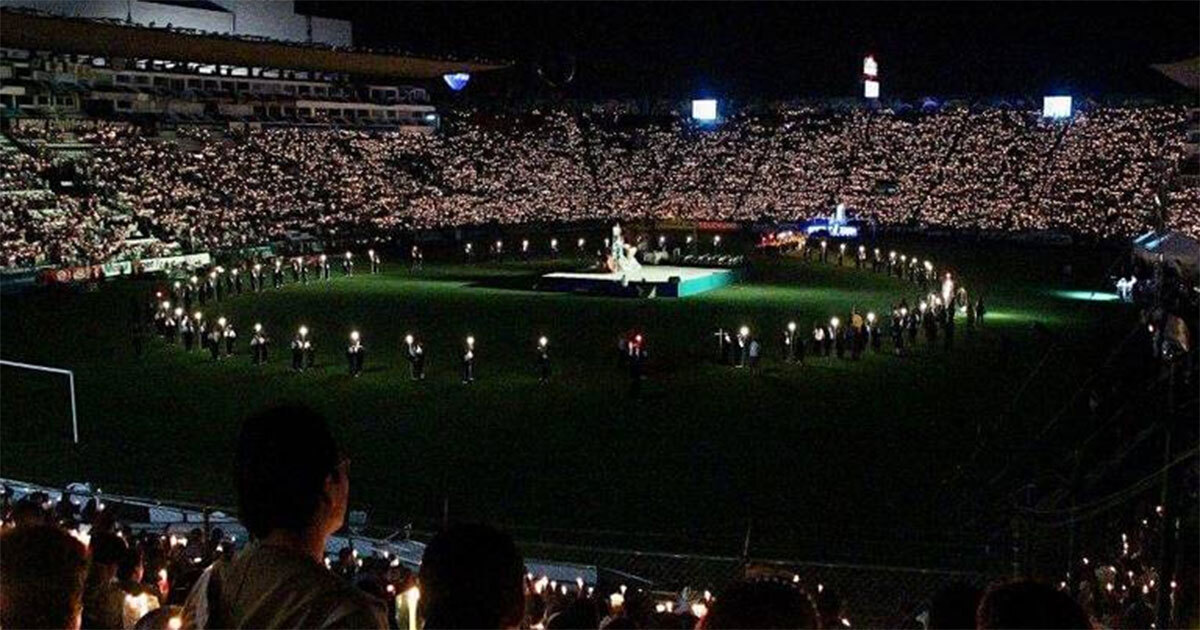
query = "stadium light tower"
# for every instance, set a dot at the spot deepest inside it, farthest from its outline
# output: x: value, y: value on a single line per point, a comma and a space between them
x: 870, y: 77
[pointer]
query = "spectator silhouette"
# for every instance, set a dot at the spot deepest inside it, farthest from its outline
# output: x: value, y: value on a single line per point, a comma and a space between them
x: 471, y: 577
x: 760, y: 605
x: 292, y: 485
x: 42, y: 571
x: 1029, y: 604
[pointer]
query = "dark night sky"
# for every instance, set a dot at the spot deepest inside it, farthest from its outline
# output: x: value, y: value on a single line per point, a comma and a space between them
x: 798, y: 49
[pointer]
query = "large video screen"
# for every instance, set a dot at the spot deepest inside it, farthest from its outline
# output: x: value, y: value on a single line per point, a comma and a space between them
x: 1056, y: 106
x: 704, y: 109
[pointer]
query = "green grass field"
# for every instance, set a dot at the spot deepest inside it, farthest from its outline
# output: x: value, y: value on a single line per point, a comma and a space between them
x: 879, y: 454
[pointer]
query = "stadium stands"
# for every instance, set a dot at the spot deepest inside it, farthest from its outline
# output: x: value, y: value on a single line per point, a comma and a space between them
x: 1104, y: 174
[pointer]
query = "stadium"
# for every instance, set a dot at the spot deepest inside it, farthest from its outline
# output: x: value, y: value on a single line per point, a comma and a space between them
x: 548, y: 316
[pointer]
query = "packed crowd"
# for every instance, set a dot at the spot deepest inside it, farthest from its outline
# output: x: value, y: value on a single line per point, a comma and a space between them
x: 64, y: 565
x: 1099, y: 175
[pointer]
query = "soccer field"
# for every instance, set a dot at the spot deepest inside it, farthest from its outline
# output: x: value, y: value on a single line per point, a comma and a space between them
x: 885, y: 454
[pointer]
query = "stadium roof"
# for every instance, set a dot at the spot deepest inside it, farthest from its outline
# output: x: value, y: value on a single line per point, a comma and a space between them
x: 45, y: 32
x: 1185, y: 73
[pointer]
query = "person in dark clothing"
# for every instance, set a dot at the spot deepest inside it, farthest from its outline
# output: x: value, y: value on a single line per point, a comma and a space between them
x: 543, y: 359
x: 301, y: 346
x: 468, y: 361
x: 471, y: 577
x: 355, y: 354
x: 258, y: 345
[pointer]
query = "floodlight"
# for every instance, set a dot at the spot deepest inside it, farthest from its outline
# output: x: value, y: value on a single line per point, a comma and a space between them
x: 456, y: 80
x: 704, y: 110
x: 1056, y: 107
x: 870, y: 67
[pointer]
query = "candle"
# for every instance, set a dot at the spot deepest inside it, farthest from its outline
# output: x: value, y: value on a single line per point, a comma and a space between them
x: 411, y: 596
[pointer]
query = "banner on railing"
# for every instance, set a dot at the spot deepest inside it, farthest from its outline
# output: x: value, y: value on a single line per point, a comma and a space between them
x: 85, y: 273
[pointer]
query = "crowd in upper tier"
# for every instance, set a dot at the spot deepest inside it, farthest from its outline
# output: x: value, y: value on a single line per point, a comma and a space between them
x: 1102, y: 174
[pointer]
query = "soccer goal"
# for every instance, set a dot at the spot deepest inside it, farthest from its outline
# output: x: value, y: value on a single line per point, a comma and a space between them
x: 70, y: 382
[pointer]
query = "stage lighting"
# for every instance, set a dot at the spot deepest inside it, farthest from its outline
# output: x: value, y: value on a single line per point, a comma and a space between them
x: 456, y: 81
x: 704, y: 110
x: 1056, y: 106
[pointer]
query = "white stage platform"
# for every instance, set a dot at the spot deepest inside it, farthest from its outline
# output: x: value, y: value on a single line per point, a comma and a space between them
x: 656, y: 280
